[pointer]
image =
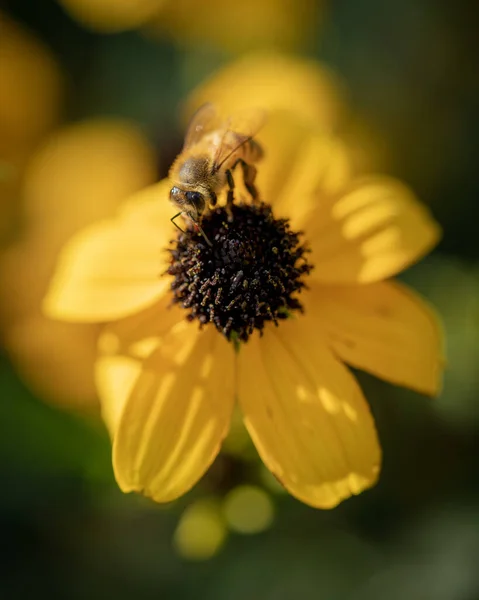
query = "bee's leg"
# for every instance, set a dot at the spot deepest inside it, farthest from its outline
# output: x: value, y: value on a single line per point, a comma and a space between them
x: 249, y: 176
x: 231, y: 185
x: 173, y: 221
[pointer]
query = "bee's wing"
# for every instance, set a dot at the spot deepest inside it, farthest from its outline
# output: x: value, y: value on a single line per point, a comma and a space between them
x: 203, y: 121
x: 244, y: 125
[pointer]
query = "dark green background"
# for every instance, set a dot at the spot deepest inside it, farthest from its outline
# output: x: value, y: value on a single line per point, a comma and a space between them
x: 411, y: 71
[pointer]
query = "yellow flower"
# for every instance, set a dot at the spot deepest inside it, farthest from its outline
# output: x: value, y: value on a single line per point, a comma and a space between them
x: 247, y: 25
x: 112, y: 15
x: 79, y: 175
x: 30, y: 94
x: 168, y: 387
x: 275, y: 81
x: 30, y: 88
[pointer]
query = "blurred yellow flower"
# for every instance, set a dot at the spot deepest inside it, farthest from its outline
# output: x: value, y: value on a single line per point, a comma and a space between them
x: 79, y: 175
x: 30, y: 99
x: 111, y: 16
x: 277, y: 24
x: 274, y: 81
x: 168, y: 387
x: 244, y: 26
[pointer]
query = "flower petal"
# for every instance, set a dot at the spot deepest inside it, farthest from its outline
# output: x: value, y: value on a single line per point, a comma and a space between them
x: 83, y: 171
x: 115, y: 376
x: 374, y: 230
x: 115, y: 267
x: 282, y: 139
x: 175, y: 410
x: 55, y: 360
x: 122, y: 346
x: 297, y: 95
x: 307, y: 415
x: 274, y: 82
x: 383, y: 328
x: 321, y: 163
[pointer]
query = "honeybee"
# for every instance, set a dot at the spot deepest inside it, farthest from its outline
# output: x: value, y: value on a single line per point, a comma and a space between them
x: 212, y: 149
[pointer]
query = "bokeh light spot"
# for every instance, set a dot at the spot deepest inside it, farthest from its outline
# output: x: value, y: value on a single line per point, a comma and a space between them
x: 248, y: 509
x: 200, y: 532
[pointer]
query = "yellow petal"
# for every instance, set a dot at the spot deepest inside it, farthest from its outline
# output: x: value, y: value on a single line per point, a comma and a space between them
x: 140, y: 333
x: 115, y: 267
x: 297, y: 96
x: 55, y: 360
x: 320, y: 163
x: 83, y: 171
x: 372, y: 231
x: 383, y: 328
x: 175, y: 410
x: 122, y: 346
x: 282, y: 140
x: 115, y: 376
x: 306, y: 415
x: 274, y: 82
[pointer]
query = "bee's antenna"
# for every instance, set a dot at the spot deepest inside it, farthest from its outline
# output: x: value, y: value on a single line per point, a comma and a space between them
x: 198, y: 226
x: 203, y: 234
x: 175, y: 224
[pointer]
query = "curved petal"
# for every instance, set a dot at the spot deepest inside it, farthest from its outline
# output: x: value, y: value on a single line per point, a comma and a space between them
x: 131, y: 335
x: 320, y: 165
x: 122, y: 346
x: 298, y: 96
x: 55, y: 360
x: 176, y: 410
x: 373, y: 230
x: 115, y: 267
x: 115, y: 376
x: 274, y: 82
x: 307, y: 416
x: 282, y: 139
x: 82, y: 172
x: 383, y: 328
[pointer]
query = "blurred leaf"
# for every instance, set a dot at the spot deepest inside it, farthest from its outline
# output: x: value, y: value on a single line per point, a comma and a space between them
x: 39, y: 439
x: 453, y: 288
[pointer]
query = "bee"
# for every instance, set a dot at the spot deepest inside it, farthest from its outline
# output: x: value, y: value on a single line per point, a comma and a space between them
x: 212, y: 150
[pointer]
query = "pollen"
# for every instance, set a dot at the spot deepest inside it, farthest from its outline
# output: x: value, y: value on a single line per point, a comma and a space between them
x: 250, y: 275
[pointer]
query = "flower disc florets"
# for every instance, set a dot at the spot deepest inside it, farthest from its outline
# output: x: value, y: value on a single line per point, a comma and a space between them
x: 247, y: 277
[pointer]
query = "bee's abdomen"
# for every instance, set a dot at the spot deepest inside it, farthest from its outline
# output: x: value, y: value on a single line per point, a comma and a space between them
x: 250, y: 152
x: 255, y: 151
x: 240, y: 148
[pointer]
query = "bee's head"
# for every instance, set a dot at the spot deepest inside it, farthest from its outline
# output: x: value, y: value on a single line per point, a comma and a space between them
x: 188, y: 201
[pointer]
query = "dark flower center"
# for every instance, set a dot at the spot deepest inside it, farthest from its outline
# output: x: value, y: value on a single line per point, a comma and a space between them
x: 247, y: 277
